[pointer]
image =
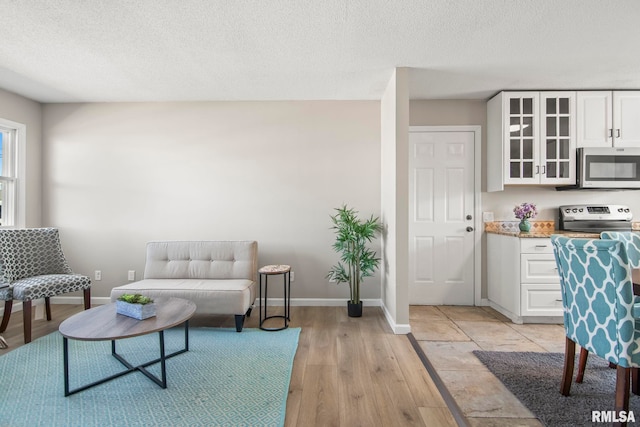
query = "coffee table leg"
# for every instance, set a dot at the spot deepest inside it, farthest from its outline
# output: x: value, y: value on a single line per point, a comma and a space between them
x: 163, y: 361
x: 186, y: 335
x: 162, y: 382
x: 65, y: 356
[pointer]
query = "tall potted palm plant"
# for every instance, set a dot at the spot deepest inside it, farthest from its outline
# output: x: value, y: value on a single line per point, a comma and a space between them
x: 352, y: 236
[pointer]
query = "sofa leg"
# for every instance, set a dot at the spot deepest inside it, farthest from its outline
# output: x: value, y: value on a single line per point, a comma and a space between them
x: 249, y: 312
x: 239, y: 322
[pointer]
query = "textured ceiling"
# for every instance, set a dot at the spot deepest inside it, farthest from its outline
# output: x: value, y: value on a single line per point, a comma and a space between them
x: 175, y: 50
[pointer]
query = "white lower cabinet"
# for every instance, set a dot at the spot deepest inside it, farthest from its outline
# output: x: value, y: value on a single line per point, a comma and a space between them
x: 523, y: 281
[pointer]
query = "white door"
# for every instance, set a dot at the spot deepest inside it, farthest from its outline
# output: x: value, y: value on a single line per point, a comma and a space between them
x: 441, y: 223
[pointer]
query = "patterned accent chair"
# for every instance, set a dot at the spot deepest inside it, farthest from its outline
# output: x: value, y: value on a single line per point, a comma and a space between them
x: 597, y: 296
x: 34, y: 266
x: 6, y: 295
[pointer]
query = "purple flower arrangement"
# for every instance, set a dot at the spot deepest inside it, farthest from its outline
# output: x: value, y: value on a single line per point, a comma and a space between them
x: 525, y: 211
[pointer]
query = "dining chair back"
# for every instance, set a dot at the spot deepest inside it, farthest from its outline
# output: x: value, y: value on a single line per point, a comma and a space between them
x: 631, y: 242
x: 597, y: 297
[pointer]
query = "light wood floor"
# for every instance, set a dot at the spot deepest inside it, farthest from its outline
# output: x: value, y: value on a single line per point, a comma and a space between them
x: 346, y: 372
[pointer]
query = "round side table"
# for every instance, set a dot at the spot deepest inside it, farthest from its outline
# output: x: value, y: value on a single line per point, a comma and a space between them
x: 265, y: 272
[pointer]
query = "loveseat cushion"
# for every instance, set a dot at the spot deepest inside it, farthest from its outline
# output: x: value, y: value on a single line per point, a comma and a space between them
x: 230, y: 296
x: 201, y: 260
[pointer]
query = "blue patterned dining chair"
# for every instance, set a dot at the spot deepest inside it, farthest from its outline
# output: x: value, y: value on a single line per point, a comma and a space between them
x: 34, y: 266
x: 631, y: 243
x: 597, y: 297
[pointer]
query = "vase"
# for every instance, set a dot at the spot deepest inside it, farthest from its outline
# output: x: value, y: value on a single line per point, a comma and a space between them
x: 354, y: 310
x: 525, y: 225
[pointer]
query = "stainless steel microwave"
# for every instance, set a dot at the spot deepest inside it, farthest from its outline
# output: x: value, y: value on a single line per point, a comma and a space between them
x: 608, y: 167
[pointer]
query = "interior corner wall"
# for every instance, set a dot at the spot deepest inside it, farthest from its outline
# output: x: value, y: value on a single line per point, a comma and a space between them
x: 394, y: 194
x: 29, y: 113
x: 117, y: 175
x: 388, y: 196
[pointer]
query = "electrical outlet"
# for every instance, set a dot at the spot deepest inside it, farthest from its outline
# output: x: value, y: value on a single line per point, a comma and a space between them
x: 97, y: 275
x: 487, y: 216
x: 292, y: 276
x: 131, y: 275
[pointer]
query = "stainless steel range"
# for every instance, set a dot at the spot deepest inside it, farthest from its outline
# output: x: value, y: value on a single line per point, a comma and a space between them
x: 595, y: 218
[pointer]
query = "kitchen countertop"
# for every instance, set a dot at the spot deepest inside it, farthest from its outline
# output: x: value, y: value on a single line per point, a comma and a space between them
x: 545, y: 234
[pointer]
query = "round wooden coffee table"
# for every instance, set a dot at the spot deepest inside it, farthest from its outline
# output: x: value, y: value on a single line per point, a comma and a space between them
x: 103, y: 323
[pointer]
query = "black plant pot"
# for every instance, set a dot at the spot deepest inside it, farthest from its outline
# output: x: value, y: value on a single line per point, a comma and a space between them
x: 354, y: 310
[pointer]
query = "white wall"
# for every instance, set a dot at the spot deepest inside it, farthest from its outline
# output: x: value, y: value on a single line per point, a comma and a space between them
x: 117, y: 175
x: 22, y: 110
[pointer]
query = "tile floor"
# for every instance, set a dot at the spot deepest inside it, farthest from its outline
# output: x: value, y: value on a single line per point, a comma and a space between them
x: 448, y: 335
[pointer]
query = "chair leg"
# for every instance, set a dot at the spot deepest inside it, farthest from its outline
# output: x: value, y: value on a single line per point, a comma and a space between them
x: 26, y: 319
x: 47, y: 305
x: 8, y: 305
x: 567, y: 373
x: 622, y: 391
x: 582, y: 363
x: 87, y: 298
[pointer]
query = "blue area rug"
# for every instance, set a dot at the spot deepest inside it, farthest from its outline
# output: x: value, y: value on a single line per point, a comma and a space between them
x: 225, y: 379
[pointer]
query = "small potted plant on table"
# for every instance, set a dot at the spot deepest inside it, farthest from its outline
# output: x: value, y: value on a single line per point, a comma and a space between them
x: 352, y: 235
x: 135, y: 305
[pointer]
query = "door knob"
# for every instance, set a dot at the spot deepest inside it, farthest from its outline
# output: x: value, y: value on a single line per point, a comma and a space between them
x: 469, y: 229
x: 469, y: 217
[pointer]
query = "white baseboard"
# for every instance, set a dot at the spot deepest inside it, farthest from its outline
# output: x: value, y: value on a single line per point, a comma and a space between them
x: 484, y: 302
x: 309, y: 302
x: 399, y: 329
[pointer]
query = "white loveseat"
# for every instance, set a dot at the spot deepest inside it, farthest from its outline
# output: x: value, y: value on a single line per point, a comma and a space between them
x: 220, y: 277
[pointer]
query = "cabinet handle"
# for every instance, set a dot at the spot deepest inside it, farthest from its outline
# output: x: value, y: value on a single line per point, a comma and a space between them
x: 610, y: 133
x: 544, y: 169
x: 559, y: 300
x: 537, y: 170
x: 541, y: 246
x: 617, y: 133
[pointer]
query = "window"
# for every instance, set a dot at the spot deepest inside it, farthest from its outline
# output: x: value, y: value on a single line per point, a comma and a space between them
x: 11, y: 173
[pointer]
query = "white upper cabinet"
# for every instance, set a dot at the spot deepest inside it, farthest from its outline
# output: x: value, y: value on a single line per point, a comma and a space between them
x: 608, y: 119
x: 531, y: 139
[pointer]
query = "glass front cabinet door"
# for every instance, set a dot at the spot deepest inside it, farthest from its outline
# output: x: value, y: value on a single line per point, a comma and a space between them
x: 557, y: 138
x: 521, y: 150
x: 539, y: 138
